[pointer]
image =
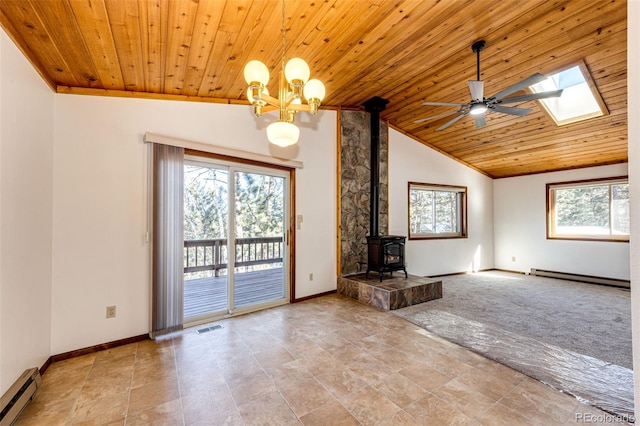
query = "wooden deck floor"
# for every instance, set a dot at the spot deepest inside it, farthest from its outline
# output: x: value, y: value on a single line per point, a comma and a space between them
x: 205, y: 295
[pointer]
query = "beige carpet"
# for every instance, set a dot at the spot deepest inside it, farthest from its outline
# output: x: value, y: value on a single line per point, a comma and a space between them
x: 589, y: 319
x: 573, y: 336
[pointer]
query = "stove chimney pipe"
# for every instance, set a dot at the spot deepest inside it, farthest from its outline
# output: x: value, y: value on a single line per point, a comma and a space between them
x: 373, y: 106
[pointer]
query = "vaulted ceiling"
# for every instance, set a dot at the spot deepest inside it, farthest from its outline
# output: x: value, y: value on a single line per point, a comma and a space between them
x: 406, y: 51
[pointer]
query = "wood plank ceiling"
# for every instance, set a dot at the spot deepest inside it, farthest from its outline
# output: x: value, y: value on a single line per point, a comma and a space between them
x: 407, y: 51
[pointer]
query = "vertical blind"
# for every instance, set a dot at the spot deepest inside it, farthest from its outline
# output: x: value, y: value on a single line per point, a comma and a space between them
x: 168, y: 211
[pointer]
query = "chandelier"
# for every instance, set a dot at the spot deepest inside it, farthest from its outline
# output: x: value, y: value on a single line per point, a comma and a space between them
x: 294, y: 85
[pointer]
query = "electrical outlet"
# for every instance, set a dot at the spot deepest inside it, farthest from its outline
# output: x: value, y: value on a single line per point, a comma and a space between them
x: 513, y: 258
x: 111, y: 311
x: 311, y: 277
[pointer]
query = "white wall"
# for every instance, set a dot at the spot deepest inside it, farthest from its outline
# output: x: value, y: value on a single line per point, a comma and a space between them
x: 100, y: 256
x: 633, y: 96
x: 520, y: 229
x: 410, y: 161
x: 26, y: 128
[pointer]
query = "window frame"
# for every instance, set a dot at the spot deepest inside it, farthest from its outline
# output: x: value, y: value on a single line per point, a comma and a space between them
x: 551, y: 219
x: 462, y: 211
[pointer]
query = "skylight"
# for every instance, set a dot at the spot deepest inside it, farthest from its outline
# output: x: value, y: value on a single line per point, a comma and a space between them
x: 580, y: 99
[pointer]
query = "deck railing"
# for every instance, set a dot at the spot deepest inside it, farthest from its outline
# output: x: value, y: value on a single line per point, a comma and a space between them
x: 211, y: 255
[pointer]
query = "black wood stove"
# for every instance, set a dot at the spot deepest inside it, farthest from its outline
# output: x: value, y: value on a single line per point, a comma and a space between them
x: 385, y: 252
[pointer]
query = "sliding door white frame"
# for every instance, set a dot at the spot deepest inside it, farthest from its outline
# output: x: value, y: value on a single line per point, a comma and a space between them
x: 232, y: 168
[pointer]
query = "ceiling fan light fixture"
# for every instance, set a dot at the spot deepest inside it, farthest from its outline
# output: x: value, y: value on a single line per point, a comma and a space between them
x: 477, y: 109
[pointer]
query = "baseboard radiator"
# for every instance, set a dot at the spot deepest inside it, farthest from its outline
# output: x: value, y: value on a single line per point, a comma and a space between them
x: 18, y: 396
x: 582, y: 278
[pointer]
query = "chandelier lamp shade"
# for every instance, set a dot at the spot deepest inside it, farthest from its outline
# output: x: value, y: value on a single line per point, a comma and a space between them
x: 294, y: 86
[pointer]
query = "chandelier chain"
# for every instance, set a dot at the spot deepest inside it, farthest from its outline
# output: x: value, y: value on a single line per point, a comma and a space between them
x: 292, y: 92
x: 284, y: 38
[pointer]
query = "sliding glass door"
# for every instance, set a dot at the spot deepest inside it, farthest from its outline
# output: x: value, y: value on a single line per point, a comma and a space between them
x: 206, y: 231
x: 259, y: 226
x: 235, y: 248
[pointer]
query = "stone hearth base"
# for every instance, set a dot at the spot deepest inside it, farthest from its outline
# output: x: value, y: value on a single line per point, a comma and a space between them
x: 392, y: 293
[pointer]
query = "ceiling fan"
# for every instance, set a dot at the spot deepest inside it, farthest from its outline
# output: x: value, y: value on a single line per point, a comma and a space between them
x: 479, y: 105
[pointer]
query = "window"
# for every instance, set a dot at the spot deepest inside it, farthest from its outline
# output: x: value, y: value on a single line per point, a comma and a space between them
x: 437, y: 211
x: 580, y: 99
x: 592, y: 210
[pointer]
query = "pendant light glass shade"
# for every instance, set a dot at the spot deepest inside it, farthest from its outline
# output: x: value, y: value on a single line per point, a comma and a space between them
x: 282, y: 133
x: 256, y: 71
x: 314, y: 89
x: 297, y: 69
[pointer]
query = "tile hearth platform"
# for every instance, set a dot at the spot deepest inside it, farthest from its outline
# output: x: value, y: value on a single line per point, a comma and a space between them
x: 392, y: 293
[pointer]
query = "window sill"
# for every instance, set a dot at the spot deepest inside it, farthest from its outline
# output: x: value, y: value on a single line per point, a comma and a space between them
x: 606, y: 239
x: 436, y: 237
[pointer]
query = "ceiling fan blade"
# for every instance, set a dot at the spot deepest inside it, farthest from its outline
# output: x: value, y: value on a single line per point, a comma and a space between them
x: 433, y: 117
x: 476, y: 87
x: 450, y: 122
x: 521, y: 85
x: 480, y: 121
x: 532, y: 97
x: 520, y: 112
x: 442, y: 104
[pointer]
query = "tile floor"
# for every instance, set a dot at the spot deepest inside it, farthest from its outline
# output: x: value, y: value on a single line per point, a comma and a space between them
x: 327, y: 361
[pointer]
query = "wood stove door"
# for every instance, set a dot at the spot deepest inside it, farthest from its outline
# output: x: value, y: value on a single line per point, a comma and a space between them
x: 393, y: 254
